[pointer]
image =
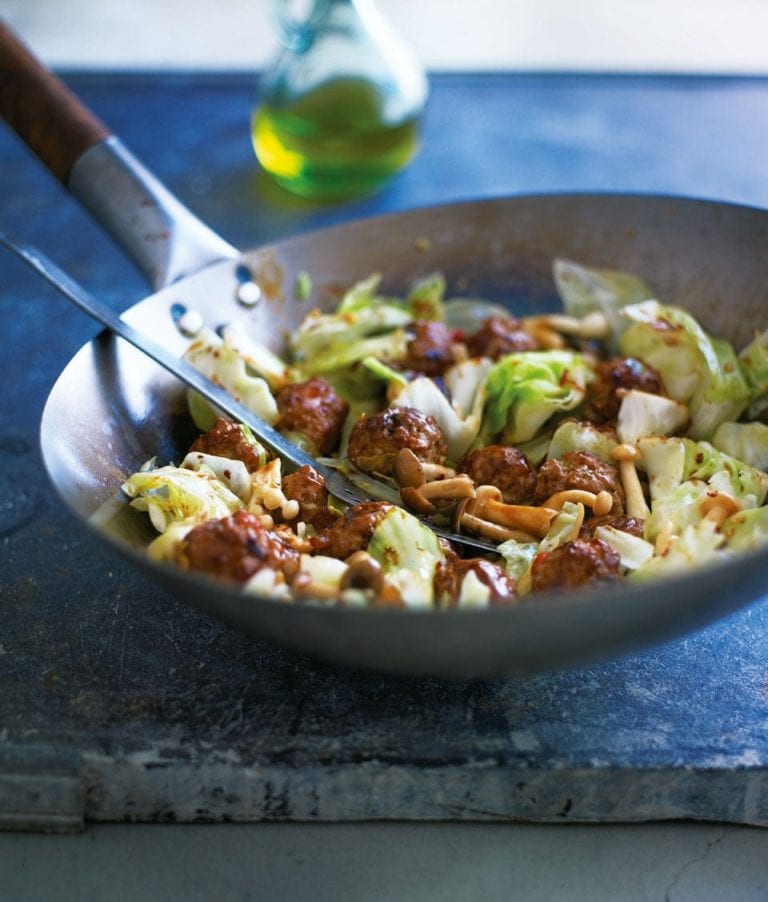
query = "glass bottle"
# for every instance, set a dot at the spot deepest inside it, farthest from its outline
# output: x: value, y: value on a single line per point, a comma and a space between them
x: 340, y: 108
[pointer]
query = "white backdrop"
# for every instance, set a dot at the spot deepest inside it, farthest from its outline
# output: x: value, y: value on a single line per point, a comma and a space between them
x: 717, y: 36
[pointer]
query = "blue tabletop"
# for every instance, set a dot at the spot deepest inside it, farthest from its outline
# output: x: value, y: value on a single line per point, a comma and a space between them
x: 141, y: 708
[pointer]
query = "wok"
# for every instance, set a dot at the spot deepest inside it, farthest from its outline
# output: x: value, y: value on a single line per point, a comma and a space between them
x: 111, y: 408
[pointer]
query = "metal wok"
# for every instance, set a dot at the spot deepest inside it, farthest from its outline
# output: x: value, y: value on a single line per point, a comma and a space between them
x: 111, y: 409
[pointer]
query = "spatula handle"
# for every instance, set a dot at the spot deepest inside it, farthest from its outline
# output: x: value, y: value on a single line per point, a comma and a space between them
x: 40, y: 108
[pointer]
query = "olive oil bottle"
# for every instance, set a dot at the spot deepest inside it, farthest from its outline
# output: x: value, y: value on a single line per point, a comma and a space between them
x: 339, y: 112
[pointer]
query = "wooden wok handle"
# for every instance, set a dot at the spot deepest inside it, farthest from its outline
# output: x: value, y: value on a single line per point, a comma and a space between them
x: 42, y: 111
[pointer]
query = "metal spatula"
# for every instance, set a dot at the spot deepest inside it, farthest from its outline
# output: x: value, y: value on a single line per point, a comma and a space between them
x: 367, y: 489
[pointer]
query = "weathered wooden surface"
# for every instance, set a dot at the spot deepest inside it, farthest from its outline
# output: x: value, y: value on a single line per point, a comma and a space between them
x: 118, y: 703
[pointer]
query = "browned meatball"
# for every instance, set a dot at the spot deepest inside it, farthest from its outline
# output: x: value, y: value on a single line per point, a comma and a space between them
x: 236, y: 547
x: 450, y: 573
x: 313, y: 409
x: 500, y: 335
x: 633, y: 525
x: 307, y: 487
x: 504, y: 467
x: 375, y: 441
x: 352, y: 532
x: 581, y: 562
x: 430, y: 348
x: 603, y: 402
x: 579, y: 470
x: 227, y: 439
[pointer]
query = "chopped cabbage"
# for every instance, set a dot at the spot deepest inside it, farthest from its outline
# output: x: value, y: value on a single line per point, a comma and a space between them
x: 163, y: 548
x: 633, y: 551
x: 474, y: 593
x: 581, y: 435
x: 682, y: 472
x: 584, y: 290
x: 258, y: 357
x: 696, y: 369
x: 525, y: 389
x: 233, y: 473
x: 172, y: 494
x: 425, y: 299
x: 408, y: 552
x: 746, y: 530
x: 222, y: 363
x: 642, y: 414
x: 754, y: 365
x: 339, y: 342
x: 744, y: 441
x: 268, y: 583
x: 699, y: 543
x: 564, y: 527
x: 517, y: 557
x: 361, y: 294
x: 323, y: 574
x: 458, y: 419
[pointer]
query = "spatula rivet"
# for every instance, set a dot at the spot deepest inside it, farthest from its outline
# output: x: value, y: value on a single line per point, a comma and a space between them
x: 190, y: 323
x: 248, y: 294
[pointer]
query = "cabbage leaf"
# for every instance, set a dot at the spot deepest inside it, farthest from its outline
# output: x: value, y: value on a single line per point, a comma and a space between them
x: 698, y: 370
x: 525, y: 389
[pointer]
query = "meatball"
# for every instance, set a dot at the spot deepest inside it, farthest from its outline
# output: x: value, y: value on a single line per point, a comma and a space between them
x: 450, y: 574
x: 504, y: 467
x: 603, y: 401
x: 500, y: 335
x: 580, y: 562
x: 313, y: 409
x: 375, y: 441
x: 227, y: 439
x: 430, y: 348
x: 351, y: 532
x: 633, y: 525
x: 579, y: 470
x: 307, y: 487
x: 236, y: 547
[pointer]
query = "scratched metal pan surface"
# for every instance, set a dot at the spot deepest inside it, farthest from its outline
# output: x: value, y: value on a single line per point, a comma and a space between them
x: 112, y: 409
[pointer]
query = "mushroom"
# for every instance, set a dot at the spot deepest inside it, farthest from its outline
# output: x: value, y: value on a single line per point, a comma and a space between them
x: 593, y: 325
x: 455, y: 488
x: 543, y: 333
x: 718, y: 506
x: 304, y: 586
x: 601, y: 503
x: 408, y: 469
x: 436, y: 471
x: 532, y: 520
x: 365, y: 573
x: 424, y: 498
x: 464, y: 519
x: 415, y: 501
x: 627, y: 455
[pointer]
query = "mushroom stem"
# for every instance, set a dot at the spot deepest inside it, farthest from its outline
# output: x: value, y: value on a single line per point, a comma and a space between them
x: 532, y: 520
x: 718, y: 506
x: 408, y: 469
x: 415, y: 501
x: 626, y: 455
x: 436, y: 471
x: 575, y: 496
x: 633, y: 491
x: 363, y: 572
x: 493, y: 531
x: 451, y: 489
x: 593, y: 325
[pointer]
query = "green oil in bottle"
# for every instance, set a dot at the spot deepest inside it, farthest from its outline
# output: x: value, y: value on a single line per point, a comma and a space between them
x: 333, y: 142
